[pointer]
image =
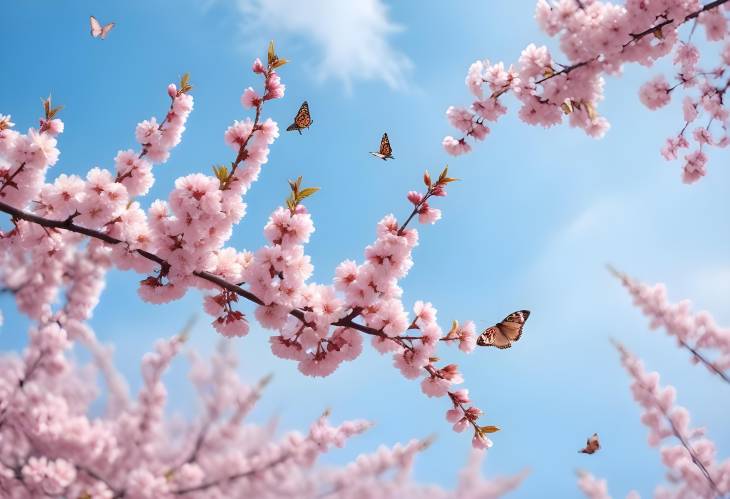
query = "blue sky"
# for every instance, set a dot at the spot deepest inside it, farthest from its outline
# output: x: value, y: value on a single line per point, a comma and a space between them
x: 536, y: 217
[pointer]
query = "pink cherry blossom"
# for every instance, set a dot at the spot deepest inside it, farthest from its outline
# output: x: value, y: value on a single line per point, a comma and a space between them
x: 183, y: 243
x: 597, y: 39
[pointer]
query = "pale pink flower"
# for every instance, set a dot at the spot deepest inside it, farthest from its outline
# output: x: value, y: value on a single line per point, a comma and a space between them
x: 460, y: 118
x: 474, y: 78
x: 481, y: 442
x: 455, y: 147
x: 435, y: 387
x: 655, y: 93
x: 694, y: 167
x: 250, y: 98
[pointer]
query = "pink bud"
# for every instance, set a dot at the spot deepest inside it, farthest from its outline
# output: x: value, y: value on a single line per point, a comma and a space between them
x: 460, y: 425
x: 414, y: 197
x: 258, y: 66
x: 480, y: 442
x: 172, y: 90
x: 453, y: 415
x: 460, y: 396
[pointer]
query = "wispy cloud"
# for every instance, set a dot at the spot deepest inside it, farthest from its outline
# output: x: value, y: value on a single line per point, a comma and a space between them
x: 352, y: 39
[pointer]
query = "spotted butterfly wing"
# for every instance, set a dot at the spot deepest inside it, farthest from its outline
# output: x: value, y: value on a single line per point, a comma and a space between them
x: 592, y: 445
x: 385, y: 152
x: 99, y: 31
x: 302, y: 120
x: 503, y: 334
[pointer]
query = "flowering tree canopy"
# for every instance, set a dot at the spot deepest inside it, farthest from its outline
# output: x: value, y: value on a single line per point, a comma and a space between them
x: 65, y: 234
x: 52, y: 446
x: 597, y: 38
x: 691, y: 463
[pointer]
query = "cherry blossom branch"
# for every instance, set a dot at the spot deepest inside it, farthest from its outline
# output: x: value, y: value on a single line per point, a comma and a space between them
x: 710, y: 365
x: 219, y: 281
x: 635, y: 37
x: 68, y: 225
x: 233, y: 477
x: 421, y: 207
x: 9, y: 180
x: 164, y: 265
x: 681, y: 323
x: 600, y: 38
x: 707, y: 7
x: 655, y: 399
x: 693, y: 454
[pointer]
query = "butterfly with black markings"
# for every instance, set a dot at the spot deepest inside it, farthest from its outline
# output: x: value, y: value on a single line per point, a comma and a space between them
x: 503, y: 334
x: 99, y: 31
x: 385, y: 152
x: 302, y: 120
x: 592, y: 445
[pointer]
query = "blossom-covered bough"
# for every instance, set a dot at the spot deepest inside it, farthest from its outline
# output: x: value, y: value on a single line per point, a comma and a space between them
x: 51, y: 447
x: 597, y: 39
x: 697, y: 333
x: 64, y: 235
x: 693, y: 469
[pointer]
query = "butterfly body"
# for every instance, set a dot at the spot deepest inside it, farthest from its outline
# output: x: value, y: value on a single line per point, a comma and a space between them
x: 592, y: 445
x: 99, y: 31
x: 386, y: 151
x: 504, y: 333
x: 302, y: 120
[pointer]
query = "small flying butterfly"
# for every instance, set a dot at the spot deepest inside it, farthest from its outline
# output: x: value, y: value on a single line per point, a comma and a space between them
x: 592, y: 445
x: 302, y: 120
x: 99, y: 31
x: 385, y: 152
x: 503, y: 334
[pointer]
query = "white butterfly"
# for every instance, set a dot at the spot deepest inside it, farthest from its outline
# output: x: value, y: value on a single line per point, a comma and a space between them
x: 99, y: 31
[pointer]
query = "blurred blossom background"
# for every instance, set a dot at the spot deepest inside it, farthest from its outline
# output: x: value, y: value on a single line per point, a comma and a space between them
x: 533, y: 222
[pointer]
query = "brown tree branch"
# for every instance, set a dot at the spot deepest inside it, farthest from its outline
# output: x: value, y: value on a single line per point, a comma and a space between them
x: 635, y: 37
x: 215, y: 483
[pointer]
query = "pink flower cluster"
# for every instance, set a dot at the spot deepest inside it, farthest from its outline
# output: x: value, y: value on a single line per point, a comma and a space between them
x: 65, y: 235
x: 597, y: 488
x: 598, y: 38
x: 592, y: 487
x: 694, y: 331
x: 51, y: 445
x: 691, y: 464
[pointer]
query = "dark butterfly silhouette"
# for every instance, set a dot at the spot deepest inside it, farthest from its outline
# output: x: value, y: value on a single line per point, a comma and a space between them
x: 99, y: 31
x: 503, y: 334
x: 302, y: 120
x: 385, y: 152
x: 592, y: 445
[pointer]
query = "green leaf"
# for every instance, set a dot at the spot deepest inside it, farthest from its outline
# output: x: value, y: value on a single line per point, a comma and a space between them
x: 53, y: 112
x: 488, y: 429
x: 271, y: 53
x: 305, y: 193
x: 185, y: 85
x: 454, y: 327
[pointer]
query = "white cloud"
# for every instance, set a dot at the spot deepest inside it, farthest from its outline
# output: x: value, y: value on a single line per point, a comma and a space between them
x: 352, y: 38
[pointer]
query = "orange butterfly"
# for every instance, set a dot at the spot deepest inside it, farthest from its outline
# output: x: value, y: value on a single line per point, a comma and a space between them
x: 592, y: 445
x: 503, y: 334
x: 99, y: 31
x: 302, y: 120
x: 385, y: 152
